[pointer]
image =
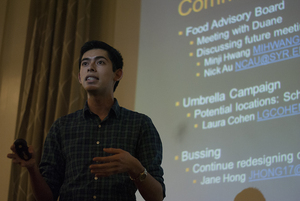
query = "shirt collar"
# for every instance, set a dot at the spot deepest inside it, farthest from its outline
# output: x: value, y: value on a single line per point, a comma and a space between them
x: 114, y: 110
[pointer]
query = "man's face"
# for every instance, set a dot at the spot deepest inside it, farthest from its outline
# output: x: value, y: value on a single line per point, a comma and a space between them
x: 96, y: 72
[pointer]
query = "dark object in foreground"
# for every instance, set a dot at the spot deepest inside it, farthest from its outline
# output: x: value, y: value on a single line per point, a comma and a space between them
x: 22, y: 149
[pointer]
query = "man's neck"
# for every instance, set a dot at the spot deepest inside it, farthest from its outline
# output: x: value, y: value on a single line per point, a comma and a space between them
x: 100, y: 105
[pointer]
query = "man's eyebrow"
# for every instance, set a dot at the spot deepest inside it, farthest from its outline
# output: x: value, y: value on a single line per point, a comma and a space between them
x: 91, y: 58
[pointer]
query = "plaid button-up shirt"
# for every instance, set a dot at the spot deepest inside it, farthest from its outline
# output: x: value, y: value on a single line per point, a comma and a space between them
x: 75, y: 139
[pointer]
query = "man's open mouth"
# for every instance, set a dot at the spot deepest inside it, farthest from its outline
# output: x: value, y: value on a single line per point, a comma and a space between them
x: 91, y: 78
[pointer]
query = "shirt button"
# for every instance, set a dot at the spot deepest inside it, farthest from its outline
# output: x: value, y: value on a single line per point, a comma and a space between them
x: 98, y: 142
x: 96, y: 178
x: 94, y: 197
x: 99, y: 126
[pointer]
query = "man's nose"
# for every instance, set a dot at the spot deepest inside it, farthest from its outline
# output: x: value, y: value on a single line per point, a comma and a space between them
x: 92, y: 67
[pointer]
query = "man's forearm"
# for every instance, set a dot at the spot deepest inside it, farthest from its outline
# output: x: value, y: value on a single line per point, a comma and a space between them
x: 41, y: 190
x: 150, y: 189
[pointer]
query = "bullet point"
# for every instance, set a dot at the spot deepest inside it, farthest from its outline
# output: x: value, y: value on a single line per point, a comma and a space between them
x: 198, y: 63
x: 194, y: 181
x: 177, y: 104
x: 191, y: 54
x: 198, y: 74
x: 191, y: 42
x: 188, y: 115
x: 187, y: 169
x: 176, y: 158
x: 196, y: 126
x: 180, y: 33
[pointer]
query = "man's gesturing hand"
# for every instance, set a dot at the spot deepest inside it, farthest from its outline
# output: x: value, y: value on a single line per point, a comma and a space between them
x: 17, y: 160
x: 121, y: 161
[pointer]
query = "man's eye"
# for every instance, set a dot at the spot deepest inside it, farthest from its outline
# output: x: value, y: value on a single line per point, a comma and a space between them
x: 100, y: 62
x: 84, y: 63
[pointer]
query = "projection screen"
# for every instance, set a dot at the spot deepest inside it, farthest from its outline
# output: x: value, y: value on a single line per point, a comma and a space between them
x: 220, y: 80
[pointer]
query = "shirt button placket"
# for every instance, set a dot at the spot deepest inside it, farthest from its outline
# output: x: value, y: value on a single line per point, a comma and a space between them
x: 96, y: 178
x: 98, y: 142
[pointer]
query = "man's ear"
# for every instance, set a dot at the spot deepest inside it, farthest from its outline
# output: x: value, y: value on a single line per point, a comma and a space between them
x: 79, y: 78
x: 118, y: 74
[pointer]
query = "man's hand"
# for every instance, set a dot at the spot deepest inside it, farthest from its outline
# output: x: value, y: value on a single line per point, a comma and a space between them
x: 121, y: 161
x: 41, y: 190
x: 17, y: 160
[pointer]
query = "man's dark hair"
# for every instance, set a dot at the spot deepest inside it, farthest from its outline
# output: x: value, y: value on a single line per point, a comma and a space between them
x: 113, y: 54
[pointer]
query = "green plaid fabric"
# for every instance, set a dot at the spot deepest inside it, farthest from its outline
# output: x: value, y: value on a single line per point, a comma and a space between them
x: 74, y: 140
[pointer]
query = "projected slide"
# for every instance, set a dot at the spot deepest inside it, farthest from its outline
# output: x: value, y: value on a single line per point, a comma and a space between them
x: 221, y: 81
